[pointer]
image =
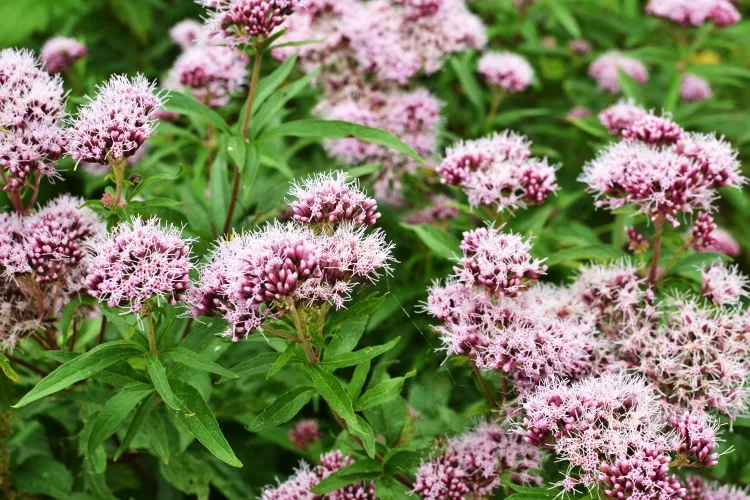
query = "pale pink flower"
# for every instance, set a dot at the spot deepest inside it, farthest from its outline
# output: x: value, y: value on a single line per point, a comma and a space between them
x: 441, y: 208
x: 642, y: 476
x: 296, y: 487
x: 114, y: 124
x: 578, y: 113
x: 32, y: 106
x: 722, y: 241
x: 60, y: 53
x: 18, y: 316
x: 695, y: 12
x: 694, y: 88
x: 473, y: 462
x: 605, y: 70
x: 723, y: 285
x: 187, y: 33
x: 580, y: 46
x: 245, y: 20
x: 500, y: 262
x: 13, y: 248
x: 137, y: 261
x: 507, y: 70
x: 211, y: 72
x: 653, y: 129
x: 305, y: 433
x: 696, y: 438
x: 621, y: 116
x: 703, y: 232
x: 331, y: 198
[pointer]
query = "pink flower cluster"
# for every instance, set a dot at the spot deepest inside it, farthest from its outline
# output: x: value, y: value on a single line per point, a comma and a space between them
x: 498, y: 170
x: 245, y: 20
x: 42, y: 264
x: 472, y: 463
x: 723, y: 285
x: 695, y: 12
x: 621, y: 116
x: 305, y: 433
x: 332, y: 199
x: 138, y: 261
x: 605, y: 70
x: 698, y: 489
x: 662, y: 170
x: 298, y: 486
x: 188, y: 33
x: 506, y: 70
x: 60, y: 53
x: 116, y: 122
x: 32, y: 106
x: 264, y: 273
x: 694, y: 88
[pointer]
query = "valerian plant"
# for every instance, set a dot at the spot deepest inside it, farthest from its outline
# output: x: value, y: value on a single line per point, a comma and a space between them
x: 359, y: 249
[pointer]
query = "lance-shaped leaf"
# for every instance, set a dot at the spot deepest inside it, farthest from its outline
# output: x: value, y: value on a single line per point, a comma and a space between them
x: 283, y: 409
x: 193, y: 360
x: 114, y: 412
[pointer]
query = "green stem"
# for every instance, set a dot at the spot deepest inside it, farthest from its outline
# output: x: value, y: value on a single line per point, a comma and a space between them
x: 151, y: 336
x: 118, y: 170
x: 304, y: 338
x: 483, y: 384
x: 497, y: 99
x: 654, y: 269
x: 237, y: 178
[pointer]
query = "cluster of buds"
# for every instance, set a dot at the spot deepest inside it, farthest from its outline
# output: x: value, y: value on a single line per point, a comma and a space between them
x: 246, y: 21
x: 305, y: 433
x: 499, y: 171
x: 506, y: 70
x: 472, y: 463
x: 605, y: 70
x: 305, y: 478
x: 60, y: 53
x: 692, y: 13
x: 694, y: 88
x: 42, y: 264
x: 637, y: 242
x: 696, y: 439
x: 313, y: 262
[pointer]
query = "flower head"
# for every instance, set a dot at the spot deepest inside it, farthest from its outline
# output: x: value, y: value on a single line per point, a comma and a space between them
x: 117, y: 122
x: 211, y: 72
x: 695, y: 12
x: 621, y: 116
x: 500, y: 262
x: 13, y: 247
x: 60, y: 53
x: 721, y: 241
x: 723, y: 285
x: 305, y: 433
x: 653, y: 129
x: 696, y: 438
x: 637, y: 242
x: 187, y: 33
x: 580, y: 46
x: 694, y: 88
x: 137, y: 261
x: 605, y: 70
x: 244, y: 20
x: 331, y: 199
x: 507, y: 70
x: 643, y: 476
x: 32, y: 106
x: 703, y: 231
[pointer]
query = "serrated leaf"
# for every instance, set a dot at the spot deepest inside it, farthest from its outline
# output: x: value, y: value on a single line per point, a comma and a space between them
x: 259, y: 365
x: 361, y: 470
x: 81, y: 368
x: 141, y: 415
x: 268, y: 84
x: 157, y: 436
x: 277, y: 100
x: 382, y: 392
x: 183, y: 104
x: 200, y: 420
x: 357, y: 357
x: 193, y: 360
x: 159, y: 377
x: 358, y: 380
x: 42, y: 475
x: 333, y: 392
x: 332, y: 129
x: 282, y: 360
x: 113, y: 413
x: 283, y: 409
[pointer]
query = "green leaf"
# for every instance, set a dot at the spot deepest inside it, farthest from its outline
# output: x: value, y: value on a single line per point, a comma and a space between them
x: 159, y: 378
x: 593, y: 252
x: 331, y: 129
x: 180, y: 103
x: 358, y: 357
x: 192, y: 360
x: 260, y: 364
x: 366, y: 436
x: 157, y: 436
x: 114, y: 413
x: 7, y: 369
x: 358, y: 380
x: 283, y: 409
x: 592, y: 127
x: 332, y: 391
x: 276, y: 102
x: 141, y: 415
x: 268, y: 84
x: 219, y: 186
x: 468, y: 81
x: 442, y: 243
x: 42, y: 475
x: 361, y: 470
x: 199, y: 420
x: 81, y: 368
x: 282, y: 360
x: 562, y: 14
x: 673, y: 94
x: 507, y: 118
x: 382, y: 393
x: 630, y: 87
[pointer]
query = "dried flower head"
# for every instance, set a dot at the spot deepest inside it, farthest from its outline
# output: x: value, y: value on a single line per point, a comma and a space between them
x: 695, y: 12
x: 32, y: 106
x: 211, y: 72
x: 330, y: 198
x: 246, y: 20
x: 605, y: 70
x: 60, y: 53
x: 694, y: 88
x: 114, y: 124
x: 500, y: 262
x: 137, y: 261
x: 723, y: 285
x: 507, y: 70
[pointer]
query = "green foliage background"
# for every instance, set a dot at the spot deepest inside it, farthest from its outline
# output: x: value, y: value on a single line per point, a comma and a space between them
x: 41, y: 455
